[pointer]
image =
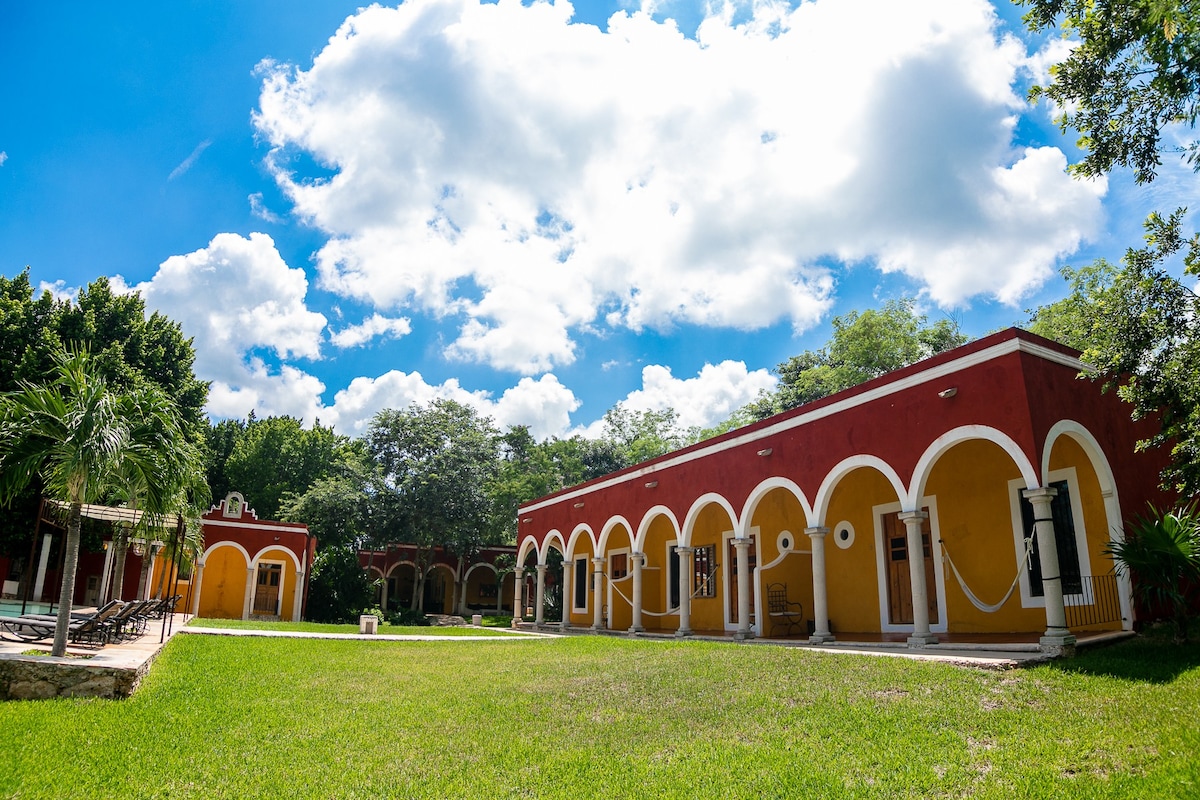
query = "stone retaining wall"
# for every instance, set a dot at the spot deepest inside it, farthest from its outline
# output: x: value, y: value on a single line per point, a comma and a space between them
x: 43, y: 677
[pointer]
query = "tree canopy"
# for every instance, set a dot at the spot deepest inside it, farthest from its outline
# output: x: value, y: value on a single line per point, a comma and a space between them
x: 1134, y: 73
x: 1139, y: 329
x: 864, y: 345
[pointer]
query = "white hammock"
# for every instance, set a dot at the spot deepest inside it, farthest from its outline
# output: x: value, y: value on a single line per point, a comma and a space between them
x: 975, y: 601
x: 669, y: 611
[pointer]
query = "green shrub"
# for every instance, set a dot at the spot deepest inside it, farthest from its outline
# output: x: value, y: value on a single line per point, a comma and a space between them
x: 407, y: 616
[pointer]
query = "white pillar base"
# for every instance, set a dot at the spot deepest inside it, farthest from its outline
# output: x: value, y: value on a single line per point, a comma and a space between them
x: 925, y: 640
x: 821, y: 638
x: 1058, y: 646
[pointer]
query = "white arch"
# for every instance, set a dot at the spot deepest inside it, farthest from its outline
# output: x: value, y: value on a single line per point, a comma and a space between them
x: 689, y: 522
x: 766, y: 486
x: 962, y: 434
x: 478, y: 565
x: 439, y: 565
x: 582, y: 529
x: 227, y: 543
x: 527, y: 544
x: 648, y: 518
x: 1108, y: 491
x: 613, y: 521
x: 377, y: 570
x: 548, y: 541
x: 392, y: 568
x: 295, y: 561
x: 844, y: 468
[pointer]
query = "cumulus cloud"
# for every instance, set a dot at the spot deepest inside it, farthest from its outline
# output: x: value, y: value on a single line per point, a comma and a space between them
x: 373, y: 326
x: 234, y: 297
x: 3, y: 157
x: 532, y: 178
x: 701, y: 401
x: 60, y: 291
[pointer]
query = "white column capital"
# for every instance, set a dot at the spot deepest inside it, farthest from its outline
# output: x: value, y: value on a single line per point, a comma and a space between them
x: 741, y: 544
x: 912, y: 516
x: 598, y: 562
x: 816, y: 532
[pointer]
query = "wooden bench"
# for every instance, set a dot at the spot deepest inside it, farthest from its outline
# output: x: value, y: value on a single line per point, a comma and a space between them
x: 783, y: 612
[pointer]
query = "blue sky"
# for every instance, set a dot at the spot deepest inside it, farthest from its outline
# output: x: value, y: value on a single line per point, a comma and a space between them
x: 539, y: 209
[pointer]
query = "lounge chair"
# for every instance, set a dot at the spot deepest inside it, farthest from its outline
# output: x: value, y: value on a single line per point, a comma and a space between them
x: 20, y: 629
x: 92, y: 628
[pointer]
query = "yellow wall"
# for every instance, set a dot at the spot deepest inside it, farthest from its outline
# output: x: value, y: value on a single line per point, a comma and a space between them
x: 656, y: 594
x: 620, y: 610
x: 975, y: 521
x: 583, y: 549
x: 780, y: 510
x: 708, y: 613
x: 223, y: 585
x: 852, y: 573
x: 1067, y: 453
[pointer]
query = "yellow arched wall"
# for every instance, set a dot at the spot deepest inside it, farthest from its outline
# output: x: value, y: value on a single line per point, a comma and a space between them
x: 480, y: 577
x: 620, y: 611
x: 1067, y: 453
x: 852, y: 573
x: 708, y: 613
x: 779, y: 510
x: 974, y: 507
x: 656, y: 596
x: 287, y: 580
x: 223, y: 585
x: 583, y: 549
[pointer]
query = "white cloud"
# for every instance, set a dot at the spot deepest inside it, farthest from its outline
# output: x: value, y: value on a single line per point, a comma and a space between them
x: 260, y: 210
x: 535, y: 178
x: 544, y: 404
x: 187, y: 163
x: 708, y: 398
x: 3, y: 157
x: 375, y: 325
x: 234, y: 296
x: 60, y: 291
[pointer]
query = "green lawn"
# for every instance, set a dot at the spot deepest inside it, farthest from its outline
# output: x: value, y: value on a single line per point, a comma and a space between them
x: 610, y: 717
x: 320, y: 627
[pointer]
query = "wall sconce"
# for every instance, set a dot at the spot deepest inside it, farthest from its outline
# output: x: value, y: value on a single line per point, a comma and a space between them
x: 766, y: 451
x: 579, y: 504
x: 946, y: 394
x: 651, y: 484
x: 527, y: 520
x: 277, y: 538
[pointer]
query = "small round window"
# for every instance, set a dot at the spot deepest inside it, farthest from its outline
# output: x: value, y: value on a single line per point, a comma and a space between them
x: 786, y: 542
x: 843, y: 534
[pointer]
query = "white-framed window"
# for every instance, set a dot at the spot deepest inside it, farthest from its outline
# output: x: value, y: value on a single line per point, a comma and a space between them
x: 1070, y: 536
x: 579, y: 585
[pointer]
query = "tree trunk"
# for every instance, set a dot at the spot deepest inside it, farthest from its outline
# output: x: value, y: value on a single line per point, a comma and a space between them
x: 67, y: 595
x: 121, y: 549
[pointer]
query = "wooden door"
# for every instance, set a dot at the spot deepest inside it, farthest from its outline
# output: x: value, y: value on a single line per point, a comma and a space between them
x: 266, y: 594
x: 899, y: 582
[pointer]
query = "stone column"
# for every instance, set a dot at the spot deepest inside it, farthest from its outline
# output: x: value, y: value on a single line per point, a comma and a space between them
x: 1057, y: 638
x: 639, y: 560
x: 685, y: 591
x: 567, y: 599
x: 298, y: 596
x: 249, y: 599
x: 598, y: 593
x: 197, y: 587
x: 518, y: 585
x: 744, y: 630
x: 914, y: 523
x: 539, y: 609
x: 821, y: 633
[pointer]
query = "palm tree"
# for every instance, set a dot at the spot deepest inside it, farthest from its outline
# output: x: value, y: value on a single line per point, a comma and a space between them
x: 77, y: 434
x: 1162, y: 551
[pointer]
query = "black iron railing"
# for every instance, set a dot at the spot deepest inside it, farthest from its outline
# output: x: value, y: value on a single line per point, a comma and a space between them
x: 1097, y: 602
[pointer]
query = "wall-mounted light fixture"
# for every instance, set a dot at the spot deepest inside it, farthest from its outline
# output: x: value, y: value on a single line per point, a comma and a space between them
x: 946, y: 394
x: 651, y: 484
x: 527, y: 519
x: 579, y: 504
x: 766, y: 451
